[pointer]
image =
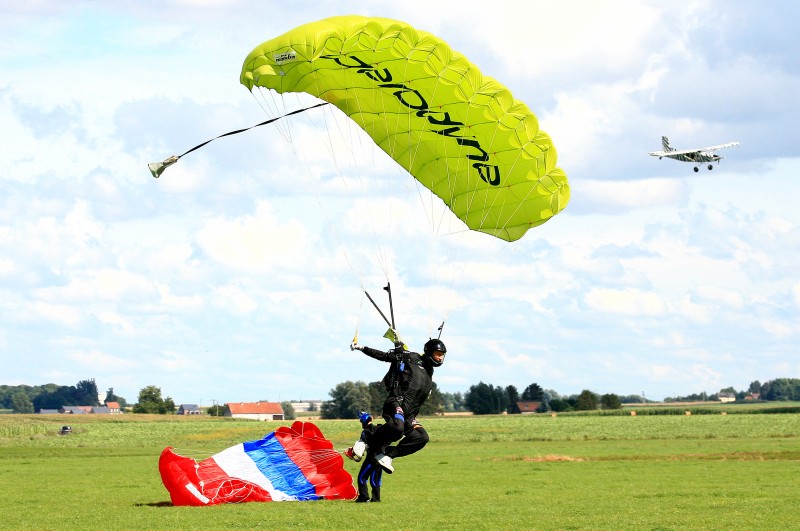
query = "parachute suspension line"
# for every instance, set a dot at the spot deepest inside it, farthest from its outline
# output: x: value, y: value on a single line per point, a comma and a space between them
x: 157, y: 168
x: 378, y: 242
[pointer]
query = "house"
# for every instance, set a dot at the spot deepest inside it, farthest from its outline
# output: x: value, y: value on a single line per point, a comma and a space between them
x: 254, y: 410
x: 114, y: 408
x: 49, y: 412
x: 189, y: 409
x: 524, y: 407
x: 83, y: 410
x: 72, y: 410
x: 727, y: 397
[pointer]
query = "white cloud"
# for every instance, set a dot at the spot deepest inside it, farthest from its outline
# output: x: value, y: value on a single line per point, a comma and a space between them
x: 259, y: 244
x: 630, y: 302
x: 618, y: 196
x: 101, y: 361
x: 255, y: 243
x: 235, y: 299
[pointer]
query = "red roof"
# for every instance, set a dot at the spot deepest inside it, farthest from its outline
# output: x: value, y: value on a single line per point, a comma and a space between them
x: 255, y: 408
x: 112, y: 405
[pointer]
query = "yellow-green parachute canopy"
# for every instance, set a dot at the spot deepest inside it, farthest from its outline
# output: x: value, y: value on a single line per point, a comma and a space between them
x: 460, y: 133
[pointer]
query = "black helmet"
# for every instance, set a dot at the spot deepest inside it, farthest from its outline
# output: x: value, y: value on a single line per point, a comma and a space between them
x: 432, y: 346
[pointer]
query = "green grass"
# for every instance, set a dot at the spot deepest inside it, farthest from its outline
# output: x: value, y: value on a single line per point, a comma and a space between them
x: 495, y: 472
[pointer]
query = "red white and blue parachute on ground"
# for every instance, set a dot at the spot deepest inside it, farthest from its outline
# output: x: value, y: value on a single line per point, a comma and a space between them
x: 291, y: 463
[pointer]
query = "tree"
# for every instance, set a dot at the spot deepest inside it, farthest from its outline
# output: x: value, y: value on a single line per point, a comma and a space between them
x: 150, y: 401
x: 453, y: 401
x: 513, y: 397
x: 347, y: 400
x: 377, y: 396
x: 587, y: 401
x: 216, y: 410
x: 169, y: 406
x: 781, y: 389
x: 533, y: 393
x: 312, y: 406
x: 54, y: 398
x: 559, y: 404
x: 86, y: 394
x: 20, y: 403
x: 485, y: 399
x: 610, y: 401
x: 288, y: 411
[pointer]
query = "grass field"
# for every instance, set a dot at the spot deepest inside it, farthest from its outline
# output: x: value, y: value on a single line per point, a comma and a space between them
x: 497, y: 472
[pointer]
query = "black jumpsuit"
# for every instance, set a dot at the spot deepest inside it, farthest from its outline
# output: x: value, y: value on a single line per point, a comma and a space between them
x: 409, y: 383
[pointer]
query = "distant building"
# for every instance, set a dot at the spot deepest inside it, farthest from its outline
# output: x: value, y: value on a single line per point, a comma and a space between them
x: 254, y: 410
x: 49, y: 412
x: 525, y: 407
x: 189, y: 409
x: 727, y: 397
x: 81, y: 410
x: 304, y: 407
x: 73, y: 410
x: 114, y: 408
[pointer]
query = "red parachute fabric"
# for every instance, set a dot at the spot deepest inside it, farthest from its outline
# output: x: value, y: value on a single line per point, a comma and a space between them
x: 291, y: 463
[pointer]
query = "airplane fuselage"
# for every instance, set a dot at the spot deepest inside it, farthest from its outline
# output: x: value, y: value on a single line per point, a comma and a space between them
x: 695, y: 157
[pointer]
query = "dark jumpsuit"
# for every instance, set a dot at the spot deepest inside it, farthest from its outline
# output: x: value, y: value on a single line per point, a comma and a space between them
x: 409, y: 383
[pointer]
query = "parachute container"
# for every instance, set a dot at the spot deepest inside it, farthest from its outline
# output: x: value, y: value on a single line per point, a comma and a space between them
x: 291, y: 463
x: 459, y: 133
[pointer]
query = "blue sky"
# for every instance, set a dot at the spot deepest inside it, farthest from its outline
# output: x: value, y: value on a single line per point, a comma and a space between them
x: 238, y: 275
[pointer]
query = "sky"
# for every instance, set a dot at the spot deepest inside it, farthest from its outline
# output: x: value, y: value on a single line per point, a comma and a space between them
x: 239, y: 275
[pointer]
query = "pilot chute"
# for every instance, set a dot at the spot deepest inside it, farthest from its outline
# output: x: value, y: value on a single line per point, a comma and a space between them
x: 459, y: 133
x: 291, y: 463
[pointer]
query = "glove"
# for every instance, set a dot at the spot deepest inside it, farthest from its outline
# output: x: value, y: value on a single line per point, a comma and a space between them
x: 355, y: 346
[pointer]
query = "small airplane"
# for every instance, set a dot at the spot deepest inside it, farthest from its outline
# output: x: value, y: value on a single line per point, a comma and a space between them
x: 697, y: 156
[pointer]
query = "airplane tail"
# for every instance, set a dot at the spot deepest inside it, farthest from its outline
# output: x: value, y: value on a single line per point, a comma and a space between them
x: 665, y: 143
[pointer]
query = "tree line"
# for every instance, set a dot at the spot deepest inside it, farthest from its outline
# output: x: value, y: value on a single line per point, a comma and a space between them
x: 349, y: 398
x: 32, y: 399
x: 779, y: 389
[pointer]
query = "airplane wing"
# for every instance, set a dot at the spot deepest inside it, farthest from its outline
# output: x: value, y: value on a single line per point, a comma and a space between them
x: 691, y: 151
x: 714, y: 148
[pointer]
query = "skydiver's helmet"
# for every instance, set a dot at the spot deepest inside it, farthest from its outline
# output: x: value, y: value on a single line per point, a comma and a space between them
x: 432, y: 346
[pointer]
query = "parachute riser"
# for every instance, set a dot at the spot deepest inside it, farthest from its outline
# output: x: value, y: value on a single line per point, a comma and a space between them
x: 388, y: 289
x: 378, y: 308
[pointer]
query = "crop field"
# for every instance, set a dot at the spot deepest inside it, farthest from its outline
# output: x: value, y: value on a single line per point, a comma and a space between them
x: 713, y: 471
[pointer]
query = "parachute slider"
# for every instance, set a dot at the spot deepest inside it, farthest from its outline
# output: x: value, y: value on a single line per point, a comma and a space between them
x: 157, y: 168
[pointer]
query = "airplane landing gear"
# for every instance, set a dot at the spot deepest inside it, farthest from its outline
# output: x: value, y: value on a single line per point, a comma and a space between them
x: 696, y: 169
x: 710, y: 167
